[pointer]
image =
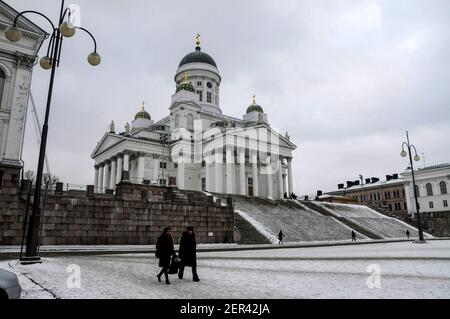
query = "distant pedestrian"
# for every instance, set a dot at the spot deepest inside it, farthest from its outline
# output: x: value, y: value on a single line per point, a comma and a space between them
x: 353, y: 236
x: 285, y: 196
x: 164, y: 251
x: 280, y: 237
x: 407, y: 233
x: 188, y: 253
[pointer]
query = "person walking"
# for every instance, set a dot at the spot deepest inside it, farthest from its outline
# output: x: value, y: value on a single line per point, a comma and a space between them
x: 164, y: 251
x: 188, y: 253
x: 353, y: 235
x: 280, y: 237
x: 407, y: 233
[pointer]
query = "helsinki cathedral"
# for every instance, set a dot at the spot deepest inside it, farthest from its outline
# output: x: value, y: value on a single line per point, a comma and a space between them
x: 196, y: 146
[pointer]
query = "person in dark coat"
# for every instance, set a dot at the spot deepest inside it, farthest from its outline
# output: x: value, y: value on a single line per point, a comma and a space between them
x: 407, y: 233
x: 188, y: 253
x: 353, y: 236
x: 280, y: 237
x: 164, y: 251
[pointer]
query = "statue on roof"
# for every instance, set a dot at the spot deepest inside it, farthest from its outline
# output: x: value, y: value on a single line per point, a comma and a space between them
x: 112, y: 128
x: 127, y: 128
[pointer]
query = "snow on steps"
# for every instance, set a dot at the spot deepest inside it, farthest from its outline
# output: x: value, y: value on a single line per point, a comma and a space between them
x: 298, y: 223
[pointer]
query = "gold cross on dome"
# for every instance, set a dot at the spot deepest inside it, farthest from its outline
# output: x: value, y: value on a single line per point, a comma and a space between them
x: 254, y: 99
x: 143, y: 106
x: 197, y: 39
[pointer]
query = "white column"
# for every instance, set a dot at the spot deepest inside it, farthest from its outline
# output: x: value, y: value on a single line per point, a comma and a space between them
x: 291, y: 185
x: 140, y: 168
x: 230, y: 168
x: 156, y: 170
x: 112, y: 183
x: 119, y: 169
x: 126, y: 162
x: 96, y: 179
x: 100, y: 179
x: 181, y: 174
x: 269, y: 177
x: 208, y: 176
x: 218, y: 170
x: 242, y: 180
x: 284, y: 185
x: 280, y: 179
x: 106, y: 176
x: 255, y: 173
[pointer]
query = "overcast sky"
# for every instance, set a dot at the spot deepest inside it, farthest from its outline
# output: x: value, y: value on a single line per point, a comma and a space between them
x: 346, y: 79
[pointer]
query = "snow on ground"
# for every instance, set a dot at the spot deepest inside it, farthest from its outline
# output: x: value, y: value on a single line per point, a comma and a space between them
x: 407, y: 270
x: 298, y: 223
x: 368, y: 218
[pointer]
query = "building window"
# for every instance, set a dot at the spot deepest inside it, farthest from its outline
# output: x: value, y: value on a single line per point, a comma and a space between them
x: 443, y: 187
x: 208, y: 97
x: 445, y: 203
x: 403, y: 193
x: 250, y: 181
x: 190, y: 122
x: 203, y: 164
x: 199, y: 83
x: 162, y: 182
x: 431, y: 205
x: 162, y: 165
x: 200, y: 95
x: 429, y: 189
x: 2, y: 84
x: 417, y: 191
x: 405, y: 206
x: 203, y: 184
x: 176, y: 165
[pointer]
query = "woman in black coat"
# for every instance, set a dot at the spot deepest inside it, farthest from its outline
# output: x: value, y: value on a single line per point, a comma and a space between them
x: 188, y: 253
x: 164, y: 251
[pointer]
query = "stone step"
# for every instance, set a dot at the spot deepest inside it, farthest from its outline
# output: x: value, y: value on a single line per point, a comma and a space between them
x: 249, y: 234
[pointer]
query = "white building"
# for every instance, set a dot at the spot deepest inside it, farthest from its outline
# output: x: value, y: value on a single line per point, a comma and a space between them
x: 205, y: 149
x: 433, y: 185
x: 16, y: 64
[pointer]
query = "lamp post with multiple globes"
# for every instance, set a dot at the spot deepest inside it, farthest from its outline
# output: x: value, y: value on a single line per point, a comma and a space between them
x: 50, y: 61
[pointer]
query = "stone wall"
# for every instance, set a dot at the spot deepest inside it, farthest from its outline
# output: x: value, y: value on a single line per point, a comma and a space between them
x: 437, y: 224
x: 136, y: 215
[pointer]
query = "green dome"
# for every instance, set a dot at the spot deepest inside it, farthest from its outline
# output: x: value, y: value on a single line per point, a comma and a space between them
x: 255, y: 108
x: 186, y: 86
x: 142, y: 114
x: 198, y: 57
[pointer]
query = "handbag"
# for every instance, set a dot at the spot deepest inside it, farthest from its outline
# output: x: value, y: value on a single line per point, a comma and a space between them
x: 174, y: 265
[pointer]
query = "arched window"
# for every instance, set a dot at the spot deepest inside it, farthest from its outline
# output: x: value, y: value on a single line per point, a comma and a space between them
x: 2, y: 84
x: 417, y: 191
x: 443, y: 187
x: 429, y: 190
x: 190, y: 122
x: 177, y: 121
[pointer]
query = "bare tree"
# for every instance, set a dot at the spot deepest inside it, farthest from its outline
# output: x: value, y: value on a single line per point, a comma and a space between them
x: 29, y: 175
x: 50, y: 181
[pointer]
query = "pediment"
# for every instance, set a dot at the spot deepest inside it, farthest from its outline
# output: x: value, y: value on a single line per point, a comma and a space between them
x: 106, y: 143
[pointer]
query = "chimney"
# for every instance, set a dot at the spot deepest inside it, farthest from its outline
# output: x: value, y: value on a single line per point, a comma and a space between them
x: 355, y: 183
x: 375, y: 180
x: 341, y: 186
x: 395, y: 176
x: 367, y: 180
x: 319, y: 193
x: 388, y: 178
x: 349, y: 184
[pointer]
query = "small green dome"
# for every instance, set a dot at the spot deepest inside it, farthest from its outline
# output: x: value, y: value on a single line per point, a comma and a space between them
x: 255, y: 108
x: 185, y: 86
x: 142, y: 114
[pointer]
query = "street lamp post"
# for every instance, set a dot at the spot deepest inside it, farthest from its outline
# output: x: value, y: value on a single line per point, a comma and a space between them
x: 416, y: 158
x: 50, y: 61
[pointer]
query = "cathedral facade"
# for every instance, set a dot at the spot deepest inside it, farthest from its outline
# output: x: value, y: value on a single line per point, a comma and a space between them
x: 197, y: 147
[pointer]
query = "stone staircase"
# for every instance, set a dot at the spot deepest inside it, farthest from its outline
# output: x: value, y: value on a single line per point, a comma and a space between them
x: 249, y: 234
x: 179, y: 197
x: 364, y: 231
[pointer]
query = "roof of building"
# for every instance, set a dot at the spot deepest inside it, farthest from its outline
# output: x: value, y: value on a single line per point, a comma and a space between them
x: 445, y: 165
x: 392, y: 182
x: 198, y: 57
